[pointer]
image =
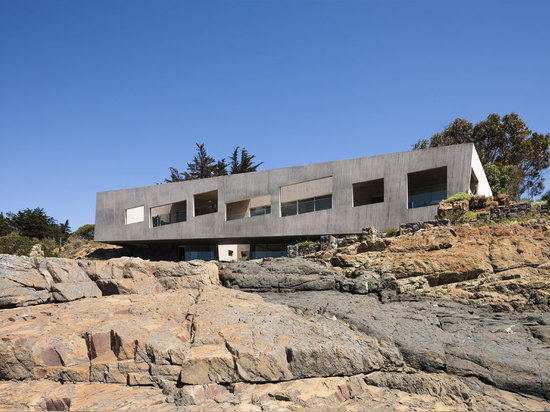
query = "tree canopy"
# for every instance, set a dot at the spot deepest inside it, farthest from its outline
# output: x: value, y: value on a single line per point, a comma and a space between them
x: 244, y: 164
x: 19, y: 231
x: 204, y: 166
x: 513, y: 156
x: 34, y: 223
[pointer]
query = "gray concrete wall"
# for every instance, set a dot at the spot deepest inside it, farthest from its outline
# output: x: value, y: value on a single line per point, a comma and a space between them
x: 343, y: 218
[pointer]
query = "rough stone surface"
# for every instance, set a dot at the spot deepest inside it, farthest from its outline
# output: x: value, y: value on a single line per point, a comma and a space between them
x: 441, y: 335
x: 442, y: 318
x: 282, y: 275
x: 28, y: 281
x: 45, y: 395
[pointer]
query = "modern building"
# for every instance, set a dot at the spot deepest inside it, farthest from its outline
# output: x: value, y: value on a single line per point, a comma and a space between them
x: 258, y: 214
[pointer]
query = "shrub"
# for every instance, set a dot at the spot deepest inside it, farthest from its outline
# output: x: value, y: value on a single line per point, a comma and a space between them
x: 390, y: 232
x: 73, y: 245
x: 305, y: 243
x: 467, y: 217
x: 457, y: 196
x: 15, y: 244
x: 50, y: 247
x: 86, y: 232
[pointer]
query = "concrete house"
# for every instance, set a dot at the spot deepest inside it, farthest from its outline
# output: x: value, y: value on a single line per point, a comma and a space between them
x: 258, y: 214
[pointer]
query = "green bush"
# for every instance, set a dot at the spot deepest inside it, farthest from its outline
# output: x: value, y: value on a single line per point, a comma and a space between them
x: 457, y: 196
x: 305, y: 243
x: 50, y: 247
x: 390, y: 232
x: 15, y: 244
x: 86, y: 232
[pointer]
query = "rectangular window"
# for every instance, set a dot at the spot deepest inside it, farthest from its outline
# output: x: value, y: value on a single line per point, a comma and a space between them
x: 255, y: 206
x: 313, y: 204
x: 306, y: 197
x: 168, y: 214
x: 367, y: 193
x: 323, y: 202
x: 427, y: 187
x: 259, y: 211
x: 289, y: 208
x: 306, y: 205
x: 206, y: 203
x: 134, y: 215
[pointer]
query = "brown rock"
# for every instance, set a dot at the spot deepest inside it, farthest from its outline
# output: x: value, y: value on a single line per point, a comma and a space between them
x: 211, y: 363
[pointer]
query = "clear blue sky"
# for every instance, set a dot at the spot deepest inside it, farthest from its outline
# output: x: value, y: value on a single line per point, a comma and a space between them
x: 103, y: 95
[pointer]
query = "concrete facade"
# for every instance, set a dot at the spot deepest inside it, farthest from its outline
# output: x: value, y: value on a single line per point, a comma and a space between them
x: 272, y: 188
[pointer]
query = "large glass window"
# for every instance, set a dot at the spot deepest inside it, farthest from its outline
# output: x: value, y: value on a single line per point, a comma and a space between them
x: 168, y: 214
x: 306, y: 205
x: 312, y: 204
x: 289, y: 208
x: 267, y: 250
x: 367, y: 193
x: 306, y: 197
x: 427, y: 187
x: 255, y: 206
x: 202, y: 252
x: 323, y: 202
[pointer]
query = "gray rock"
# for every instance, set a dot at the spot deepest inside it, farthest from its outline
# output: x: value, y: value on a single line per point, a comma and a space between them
x: 283, y: 275
x: 440, y: 335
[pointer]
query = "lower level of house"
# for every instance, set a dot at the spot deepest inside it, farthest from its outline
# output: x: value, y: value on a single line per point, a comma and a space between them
x: 227, y: 252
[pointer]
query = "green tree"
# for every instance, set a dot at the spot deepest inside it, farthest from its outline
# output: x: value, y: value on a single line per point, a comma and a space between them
x: 220, y: 169
x: 175, y: 176
x: 244, y: 164
x: 34, y: 223
x: 5, y: 225
x: 202, y: 165
x: 503, y: 142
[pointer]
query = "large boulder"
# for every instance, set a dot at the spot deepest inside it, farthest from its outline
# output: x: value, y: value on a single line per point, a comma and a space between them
x: 282, y: 274
x: 28, y: 281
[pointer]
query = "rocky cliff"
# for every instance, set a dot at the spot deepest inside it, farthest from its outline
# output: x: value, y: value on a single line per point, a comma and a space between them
x: 445, y: 319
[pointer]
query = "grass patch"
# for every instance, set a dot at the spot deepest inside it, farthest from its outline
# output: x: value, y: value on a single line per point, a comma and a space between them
x: 467, y: 217
x: 456, y: 197
x: 390, y: 232
x: 306, y: 243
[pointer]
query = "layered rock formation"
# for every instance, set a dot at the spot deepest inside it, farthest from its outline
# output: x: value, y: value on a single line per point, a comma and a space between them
x: 504, y: 266
x: 443, y: 319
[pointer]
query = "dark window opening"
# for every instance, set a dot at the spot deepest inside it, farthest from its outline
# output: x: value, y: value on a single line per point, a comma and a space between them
x: 168, y: 214
x: 313, y: 204
x: 267, y: 250
x: 473, y: 183
x: 428, y: 187
x: 206, y: 203
x: 258, y: 211
x: 367, y: 193
x: 202, y: 252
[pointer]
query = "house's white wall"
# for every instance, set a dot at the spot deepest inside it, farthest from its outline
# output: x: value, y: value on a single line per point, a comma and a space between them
x: 483, y: 187
x: 224, y: 252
